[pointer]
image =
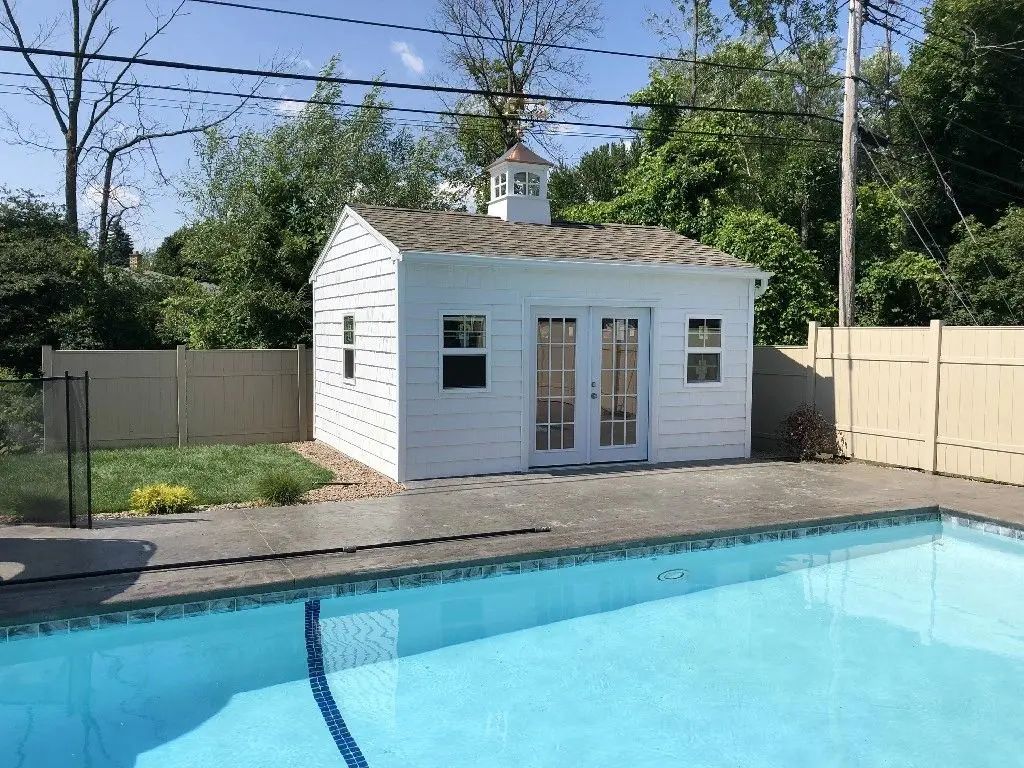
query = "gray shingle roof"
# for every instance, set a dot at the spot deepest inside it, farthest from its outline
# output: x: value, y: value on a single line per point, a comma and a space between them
x: 470, y: 233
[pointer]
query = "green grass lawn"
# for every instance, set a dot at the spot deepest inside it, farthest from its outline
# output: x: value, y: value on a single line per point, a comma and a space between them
x: 217, y: 473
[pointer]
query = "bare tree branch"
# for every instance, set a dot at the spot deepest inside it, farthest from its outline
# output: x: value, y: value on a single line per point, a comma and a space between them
x: 11, y: 26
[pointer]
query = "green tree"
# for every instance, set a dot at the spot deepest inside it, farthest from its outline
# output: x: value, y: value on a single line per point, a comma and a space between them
x: 267, y: 201
x: 509, y: 50
x: 961, y: 107
x: 170, y: 259
x: 896, y: 284
x: 683, y: 183
x: 119, y: 247
x: 987, y: 263
x: 797, y: 292
x: 597, y: 177
x: 45, y: 275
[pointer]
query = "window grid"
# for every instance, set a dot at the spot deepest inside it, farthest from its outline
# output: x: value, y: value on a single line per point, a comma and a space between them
x: 704, y: 350
x: 464, y: 352
x: 620, y: 344
x: 348, y: 341
x: 500, y: 184
x: 556, y: 384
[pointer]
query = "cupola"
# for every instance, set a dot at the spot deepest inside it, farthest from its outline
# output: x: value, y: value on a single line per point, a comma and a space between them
x: 519, y: 186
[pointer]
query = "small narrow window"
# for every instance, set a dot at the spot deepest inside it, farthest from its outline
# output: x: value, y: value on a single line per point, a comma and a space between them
x: 703, y: 351
x: 349, y: 347
x: 464, y: 352
x: 520, y: 185
x: 501, y: 184
x: 533, y: 185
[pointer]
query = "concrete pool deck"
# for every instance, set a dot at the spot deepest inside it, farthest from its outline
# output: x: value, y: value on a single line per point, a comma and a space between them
x: 583, y: 508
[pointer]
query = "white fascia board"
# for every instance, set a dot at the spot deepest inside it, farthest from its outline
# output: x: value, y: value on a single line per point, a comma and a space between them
x: 745, y: 273
x: 346, y: 214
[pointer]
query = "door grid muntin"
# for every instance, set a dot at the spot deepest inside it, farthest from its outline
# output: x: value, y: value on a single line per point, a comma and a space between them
x: 619, y: 381
x: 555, y: 402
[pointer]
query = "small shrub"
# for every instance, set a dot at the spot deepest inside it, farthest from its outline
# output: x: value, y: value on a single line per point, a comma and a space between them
x: 805, y: 433
x: 162, y: 499
x: 280, y: 487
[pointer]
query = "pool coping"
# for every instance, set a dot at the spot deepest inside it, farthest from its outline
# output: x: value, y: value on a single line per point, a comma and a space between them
x: 374, y: 581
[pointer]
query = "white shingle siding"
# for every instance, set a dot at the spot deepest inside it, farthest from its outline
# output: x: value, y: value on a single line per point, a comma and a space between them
x: 395, y: 418
x: 357, y: 276
x: 450, y: 434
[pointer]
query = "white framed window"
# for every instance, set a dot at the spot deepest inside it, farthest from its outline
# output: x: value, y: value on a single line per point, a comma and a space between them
x: 533, y: 184
x: 704, y: 351
x: 519, y: 188
x: 348, y: 348
x: 465, y: 352
x: 499, y: 185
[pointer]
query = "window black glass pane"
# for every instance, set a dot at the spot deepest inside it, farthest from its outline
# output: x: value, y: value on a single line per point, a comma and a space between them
x: 350, y: 363
x: 464, y: 372
x: 465, y: 332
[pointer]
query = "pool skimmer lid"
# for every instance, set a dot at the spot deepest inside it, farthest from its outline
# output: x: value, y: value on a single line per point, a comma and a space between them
x: 673, y: 575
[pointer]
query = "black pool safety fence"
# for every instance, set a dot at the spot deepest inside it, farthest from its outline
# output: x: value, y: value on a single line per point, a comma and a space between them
x: 45, y: 461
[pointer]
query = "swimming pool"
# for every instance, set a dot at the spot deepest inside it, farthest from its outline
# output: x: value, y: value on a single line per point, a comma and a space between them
x: 886, y: 646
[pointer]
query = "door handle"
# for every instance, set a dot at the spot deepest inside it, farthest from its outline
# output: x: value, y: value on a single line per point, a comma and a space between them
x: 593, y: 395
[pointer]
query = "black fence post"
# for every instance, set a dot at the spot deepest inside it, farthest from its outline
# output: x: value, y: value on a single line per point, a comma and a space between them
x: 67, y: 436
x: 88, y: 454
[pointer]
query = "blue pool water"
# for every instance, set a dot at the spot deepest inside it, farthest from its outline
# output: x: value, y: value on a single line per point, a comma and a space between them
x: 888, y: 647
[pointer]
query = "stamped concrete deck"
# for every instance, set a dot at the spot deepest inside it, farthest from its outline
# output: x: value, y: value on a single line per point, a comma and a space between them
x: 582, y: 509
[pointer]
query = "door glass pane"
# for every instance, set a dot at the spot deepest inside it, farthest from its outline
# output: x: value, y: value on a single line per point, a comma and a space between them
x: 556, y: 384
x: 620, y: 339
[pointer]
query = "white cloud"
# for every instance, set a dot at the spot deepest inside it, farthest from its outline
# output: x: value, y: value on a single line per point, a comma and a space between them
x: 563, y: 128
x: 412, y: 62
x: 121, y: 198
x: 290, y: 108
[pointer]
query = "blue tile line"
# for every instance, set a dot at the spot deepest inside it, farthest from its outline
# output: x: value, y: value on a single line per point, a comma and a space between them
x: 322, y: 691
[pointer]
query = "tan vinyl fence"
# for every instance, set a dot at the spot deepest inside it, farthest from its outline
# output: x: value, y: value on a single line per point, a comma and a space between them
x: 188, y: 397
x: 941, y: 399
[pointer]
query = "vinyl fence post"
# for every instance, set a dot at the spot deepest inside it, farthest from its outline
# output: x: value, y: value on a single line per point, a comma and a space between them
x: 181, y: 362
x: 931, y: 436
x: 88, y: 454
x: 812, y: 362
x: 49, y: 433
x: 67, y: 435
x: 302, y: 374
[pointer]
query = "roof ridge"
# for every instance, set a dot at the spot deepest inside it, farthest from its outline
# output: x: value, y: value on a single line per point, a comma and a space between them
x: 415, y: 229
x: 433, y: 211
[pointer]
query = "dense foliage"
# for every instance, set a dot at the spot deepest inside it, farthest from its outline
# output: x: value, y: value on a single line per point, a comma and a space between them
x: 267, y: 200
x: 940, y: 172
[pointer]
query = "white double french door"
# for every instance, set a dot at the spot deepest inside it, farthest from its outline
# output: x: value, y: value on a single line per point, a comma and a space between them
x: 590, y: 385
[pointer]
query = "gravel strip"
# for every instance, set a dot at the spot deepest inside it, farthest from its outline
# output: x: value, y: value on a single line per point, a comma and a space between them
x: 352, y: 480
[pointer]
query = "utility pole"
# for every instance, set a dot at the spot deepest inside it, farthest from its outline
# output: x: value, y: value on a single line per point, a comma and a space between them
x: 849, y: 188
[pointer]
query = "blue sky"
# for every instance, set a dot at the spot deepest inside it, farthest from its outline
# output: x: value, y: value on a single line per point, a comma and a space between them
x: 238, y: 38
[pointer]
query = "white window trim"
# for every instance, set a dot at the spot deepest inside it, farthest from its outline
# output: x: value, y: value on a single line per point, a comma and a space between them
x: 441, y: 352
x: 532, y: 185
x: 496, y: 193
x: 720, y: 351
x: 345, y: 379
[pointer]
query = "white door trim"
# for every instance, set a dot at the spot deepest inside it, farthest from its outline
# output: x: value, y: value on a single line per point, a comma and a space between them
x: 578, y: 454
x: 587, y: 308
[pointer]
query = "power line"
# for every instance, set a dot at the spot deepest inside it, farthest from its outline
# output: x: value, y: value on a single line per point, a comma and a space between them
x: 438, y: 112
x: 928, y: 42
x: 903, y: 210
x: 1000, y: 48
x: 490, y: 38
x: 272, y: 75
x: 949, y: 193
